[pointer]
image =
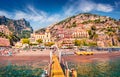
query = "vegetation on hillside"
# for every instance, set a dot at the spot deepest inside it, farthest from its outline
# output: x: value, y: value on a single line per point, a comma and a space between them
x: 21, y: 28
x: 83, y: 42
x: 3, y: 35
x: 92, y: 33
x: 96, y: 26
x: 25, y: 34
x: 40, y: 30
x: 40, y: 41
x: 49, y: 44
x: 25, y: 41
x: 66, y: 20
x: 12, y: 38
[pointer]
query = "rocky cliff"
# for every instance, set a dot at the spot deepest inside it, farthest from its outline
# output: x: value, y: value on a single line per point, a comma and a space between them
x: 86, y: 19
x: 17, y: 27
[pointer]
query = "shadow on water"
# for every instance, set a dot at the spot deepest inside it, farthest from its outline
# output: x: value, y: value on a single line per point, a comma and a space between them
x: 109, y: 68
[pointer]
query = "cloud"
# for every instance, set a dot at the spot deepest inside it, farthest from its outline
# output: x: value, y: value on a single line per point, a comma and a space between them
x: 28, y: 16
x: 117, y: 4
x: 78, y: 6
x: 86, y: 6
x: 104, y: 8
x: 5, y: 13
x: 38, y: 18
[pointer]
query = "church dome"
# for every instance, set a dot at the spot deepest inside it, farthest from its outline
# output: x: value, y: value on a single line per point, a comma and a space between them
x: 47, y: 30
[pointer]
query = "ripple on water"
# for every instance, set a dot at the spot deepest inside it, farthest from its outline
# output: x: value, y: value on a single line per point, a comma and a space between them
x: 19, y: 71
x: 102, y: 68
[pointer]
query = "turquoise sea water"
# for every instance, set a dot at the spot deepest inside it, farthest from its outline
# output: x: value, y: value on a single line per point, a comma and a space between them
x: 107, y: 68
x: 20, y: 71
x: 110, y: 68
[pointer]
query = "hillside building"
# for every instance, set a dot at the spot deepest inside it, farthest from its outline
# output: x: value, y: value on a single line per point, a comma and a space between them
x: 67, y: 37
x: 46, y: 37
x: 4, y: 29
x: 4, y: 42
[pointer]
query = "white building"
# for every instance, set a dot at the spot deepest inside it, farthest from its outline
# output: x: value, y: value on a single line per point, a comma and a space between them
x: 46, y: 37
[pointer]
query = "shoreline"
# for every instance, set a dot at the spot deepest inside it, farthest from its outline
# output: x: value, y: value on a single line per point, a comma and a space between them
x: 91, y: 58
x: 45, y: 58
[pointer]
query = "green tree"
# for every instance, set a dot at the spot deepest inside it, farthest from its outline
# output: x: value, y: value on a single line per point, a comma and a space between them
x: 74, y: 24
x: 95, y: 37
x: 92, y: 44
x: 3, y: 35
x: 25, y: 34
x: 84, y: 43
x: 118, y: 27
x: 93, y: 27
x: 110, y: 29
x: 111, y: 32
x: 97, y: 21
x: 13, y: 38
x: 118, y: 38
x: 40, y: 41
x: 49, y: 44
x: 25, y: 41
x: 78, y: 43
x: 92, y: 33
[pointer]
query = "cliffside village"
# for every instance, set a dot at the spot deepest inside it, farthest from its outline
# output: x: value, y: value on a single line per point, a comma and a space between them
x: 63, y: 37
x: 64, y: 34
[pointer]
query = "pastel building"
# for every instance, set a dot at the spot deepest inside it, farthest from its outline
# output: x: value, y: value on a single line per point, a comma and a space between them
x: 67, y: 36
x: 46, y: 37
x: 80, y: 34
x: 4, y: 29
x: 4, y: 42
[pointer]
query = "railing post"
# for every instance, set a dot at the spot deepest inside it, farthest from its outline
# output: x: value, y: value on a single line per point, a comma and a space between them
x: 67, y: 72
x: 50, y: 64
x: 60, y: 56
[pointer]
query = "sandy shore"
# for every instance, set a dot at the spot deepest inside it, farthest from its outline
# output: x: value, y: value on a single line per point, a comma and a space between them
x: 45, y: 58
x: 34, y: 53
x: 91, y: 58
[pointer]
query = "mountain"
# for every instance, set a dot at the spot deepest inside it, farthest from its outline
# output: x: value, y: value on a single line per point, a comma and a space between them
x: 17, y: 27
x: 42, y: 30
x: 86, y: 19
x: 100, y: 28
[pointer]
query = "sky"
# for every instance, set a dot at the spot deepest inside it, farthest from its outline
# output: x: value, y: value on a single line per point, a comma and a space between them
x: 43, y: 13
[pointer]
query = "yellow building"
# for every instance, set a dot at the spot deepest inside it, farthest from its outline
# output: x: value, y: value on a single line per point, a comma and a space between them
x: 46, y: 37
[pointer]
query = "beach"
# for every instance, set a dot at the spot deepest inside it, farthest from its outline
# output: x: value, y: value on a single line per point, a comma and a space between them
x: 43, y: 56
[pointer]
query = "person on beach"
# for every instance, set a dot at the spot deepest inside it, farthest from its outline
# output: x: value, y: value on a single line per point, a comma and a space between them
x: 73, y: 73
x: 9, y: 53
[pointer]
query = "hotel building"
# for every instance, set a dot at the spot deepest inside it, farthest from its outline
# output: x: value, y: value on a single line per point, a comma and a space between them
x: 68, y: 36
x: 46, y: 37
